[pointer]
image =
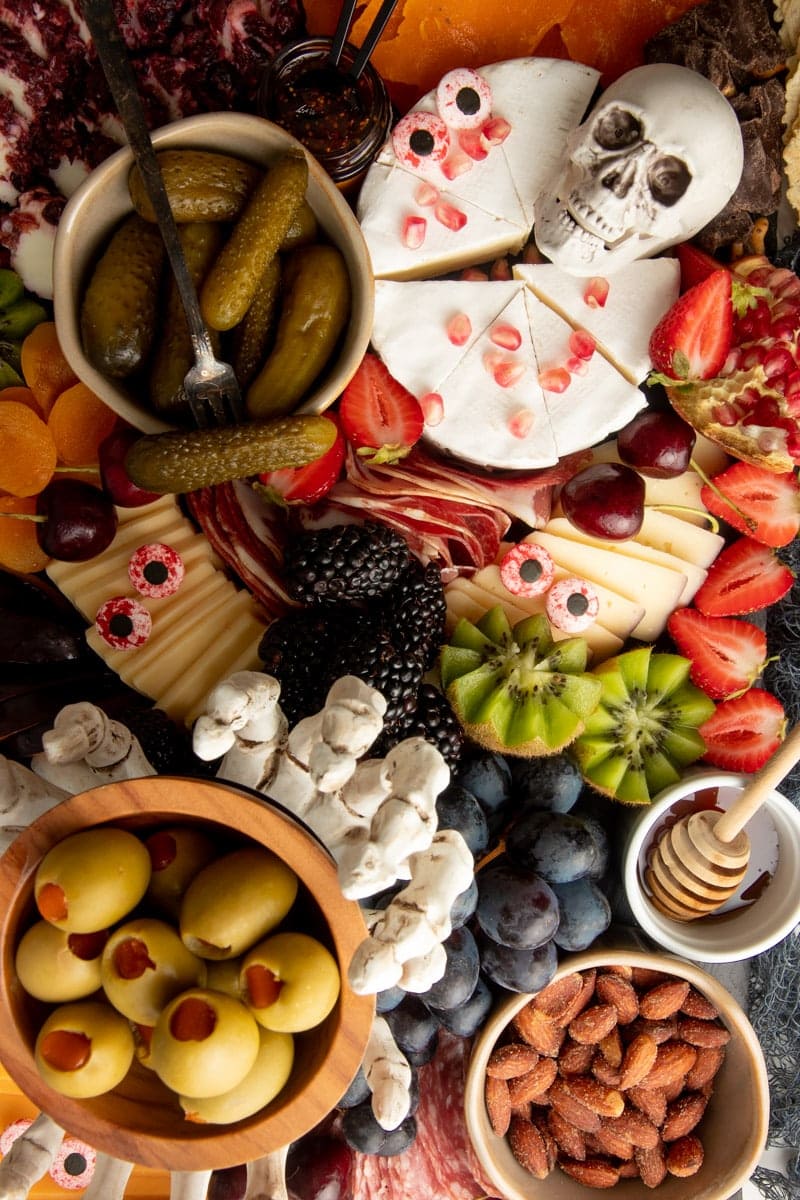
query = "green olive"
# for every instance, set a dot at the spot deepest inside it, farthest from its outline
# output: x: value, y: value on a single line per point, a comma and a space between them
x: 92, y: 879
x: 144, y: 965
x: 57, y: 966
x: 265, y: 1079
x: 177, y: 853
x: 84, y: 1049
x: 290, y: 982
x: 204, y: 1043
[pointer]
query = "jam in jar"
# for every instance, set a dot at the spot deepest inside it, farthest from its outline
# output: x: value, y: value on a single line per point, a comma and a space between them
x: 342, y: 121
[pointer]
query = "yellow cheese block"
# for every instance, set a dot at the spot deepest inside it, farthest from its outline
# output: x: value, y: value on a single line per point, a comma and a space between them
x: 687, y: 542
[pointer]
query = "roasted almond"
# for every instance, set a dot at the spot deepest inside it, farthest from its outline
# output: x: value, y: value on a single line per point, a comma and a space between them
x: 527, y: 1088
x: 682, y: 1115
x: 628, y: 1169
x: 685, y: 1157
x: 571, y: 1109
x: 644, y: 978
x: 550, y: 1145
x: 575, y: 1058
x: 702, y: 1033
x: 555, y: 999
x: 605, y: 1101
x: 708, y: 1062
x: 603, y: 1071
x: 608, y: 1141
x: 640, y: 1056
x: 570, y: 1141
x: 651, y: 1101
x: 528, y: 1147
x: 592, y: 1025
x: 511, y: 1060
x: 592, y: 1172
x: 611, y: 1047
x: 498, y: 1104
x: 582, y: 999
x: 635, y: 1128
x: 620, y: 969
x: 659, y: 1031
x: 652, y: 1164
x: 539, y: 1030
x: 663, y: 1000
x: 673, y: 1060
x: 696, y: 1005
x: 613, y: 989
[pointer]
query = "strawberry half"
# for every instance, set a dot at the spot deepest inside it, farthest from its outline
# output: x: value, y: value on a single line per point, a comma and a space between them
x: 380, y: 418
x: 764, y: 504
x: 745, y: 577
x: 743, y: 733
x: 695, y: 264
x: 726, y: 654
x: 692, y: 340
x: 305, y: 485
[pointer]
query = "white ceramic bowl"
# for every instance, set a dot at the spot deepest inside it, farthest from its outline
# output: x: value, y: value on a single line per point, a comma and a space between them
x: 103, y: 200
x: 733, y: 1129
x: 739, y: 931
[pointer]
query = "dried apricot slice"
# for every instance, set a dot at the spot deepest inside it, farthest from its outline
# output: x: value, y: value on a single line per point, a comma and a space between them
x: 19, y: 545
x: 23, y: 395
x: 44, y: 367
x: 27, y: 451
x: 79, y: 421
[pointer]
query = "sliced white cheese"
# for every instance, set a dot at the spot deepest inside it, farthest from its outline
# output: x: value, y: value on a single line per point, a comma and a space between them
x: 632, y: 548
x: 638, y: 297
x: 688, y: 542
x: 658, y: 589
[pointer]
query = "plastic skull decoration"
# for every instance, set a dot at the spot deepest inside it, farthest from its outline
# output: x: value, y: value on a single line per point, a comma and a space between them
x: 657, y: 158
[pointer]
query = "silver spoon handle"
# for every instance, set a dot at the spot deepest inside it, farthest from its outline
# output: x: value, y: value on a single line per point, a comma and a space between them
x: 113, y: 55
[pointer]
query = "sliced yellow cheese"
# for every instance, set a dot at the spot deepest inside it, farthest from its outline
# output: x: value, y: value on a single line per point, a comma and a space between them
x: 688, y: 542
x: 657, y: 588
x: 632, y: 548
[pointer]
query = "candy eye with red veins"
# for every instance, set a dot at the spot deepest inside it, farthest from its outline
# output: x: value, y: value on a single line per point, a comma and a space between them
x: 156, y: 570
x: 73, y: 1166
x: 420, y: 139
x: 12, y: 1132
x: 527, y: 570
x: 572, y: 605
x: 464, y: 99
x: 123, y: 623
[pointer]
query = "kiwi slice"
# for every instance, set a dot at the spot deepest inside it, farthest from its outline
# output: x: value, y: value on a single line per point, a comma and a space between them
x: 644, y: 730
x: 516, y: 690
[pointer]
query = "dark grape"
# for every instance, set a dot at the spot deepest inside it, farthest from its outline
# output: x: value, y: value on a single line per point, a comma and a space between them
x: 553, y: 783
x: 413, y: 1093
x: 458, y: 809
x: 412, y: 1026
x: 597, y: 832
x: 515, y: 907
x: 363, y: 1133
x: 460, y: 975
x: 464, y: 906
x: 488, y: 777
x: 388, y: 999
x: 418, y: 1058
x: 470, y: 1016
x: 556, y: 846
x: 585, y: 914
x: 519, y: 970
x: 397, y: 1141
x: 357, y: 1092
x: 319, y: 1167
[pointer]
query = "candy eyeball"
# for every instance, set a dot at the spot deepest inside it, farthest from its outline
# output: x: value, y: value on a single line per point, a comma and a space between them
x: 156, y: 570
x: 56, y: 966
x: 420, y: 139
x: 572, y: 605
x: 527, y: 570
x: 90, y: 880
x: 464, y: 99
x: 123, y: 623
x: 84, y: 1049
x: 73, y: 1166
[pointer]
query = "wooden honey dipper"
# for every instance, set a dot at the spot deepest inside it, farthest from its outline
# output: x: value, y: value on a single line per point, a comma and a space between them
x: 700, y: 861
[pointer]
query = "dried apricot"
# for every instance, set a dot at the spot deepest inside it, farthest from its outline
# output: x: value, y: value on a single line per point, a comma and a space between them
x: 44, y: 367
x: 27, y: 451
x: 22, y: 395
x: 19, y: 545
x: 79, y: 421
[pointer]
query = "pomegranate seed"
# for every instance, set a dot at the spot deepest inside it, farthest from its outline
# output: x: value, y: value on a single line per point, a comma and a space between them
x: 785, y: 308
x: 749, y: 398
x: 725, y: 414
x: 752, y: 356
x: 432, y: 406
x: 790, y: 286
x: 776, y: 277
x: 507, y: 373
x: 778, y: 382
x: 760, y: 276
x: 554, y: 379
x: 777, y: 361
x: 785, y: 327
x: 492, y: 360
x: 520, y: 423
x: 426, y: 194
x: 507, y: 336
x: 455, y: 165
x: 474, y: 275
x: 500, y: 269
x: 732, y: 362
x: 793, y: 444
x: 459, y: 328
x: 577, y: 366
x: 769, y: 440
x: 595, y: 293
x: 413, y: 232
x: 450, y: 216
x: 582, y: 343
x: 473, y: 143
x: 792, y: 387
x: 496, y: 130
x: 793, y: 406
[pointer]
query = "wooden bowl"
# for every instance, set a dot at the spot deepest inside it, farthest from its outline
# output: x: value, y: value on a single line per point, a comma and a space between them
x: 102, y: 200
x: 140, y: 1120
x: 733, y: 1129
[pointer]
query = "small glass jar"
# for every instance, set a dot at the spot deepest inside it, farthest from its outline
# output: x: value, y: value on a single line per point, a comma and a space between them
x: 342, y: 121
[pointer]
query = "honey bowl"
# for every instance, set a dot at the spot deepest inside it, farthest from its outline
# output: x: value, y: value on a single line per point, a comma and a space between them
x: 140, y: 1120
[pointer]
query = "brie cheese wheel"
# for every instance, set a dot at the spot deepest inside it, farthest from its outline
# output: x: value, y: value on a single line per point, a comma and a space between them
x: 542, y: 100
x: 638, y: 297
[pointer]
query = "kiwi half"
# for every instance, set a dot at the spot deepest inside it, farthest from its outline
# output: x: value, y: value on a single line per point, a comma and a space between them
x: 516, y: 690
x: 644, y: 730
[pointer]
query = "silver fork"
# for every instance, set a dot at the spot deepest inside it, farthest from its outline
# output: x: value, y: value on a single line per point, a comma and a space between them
x: 210, y: 386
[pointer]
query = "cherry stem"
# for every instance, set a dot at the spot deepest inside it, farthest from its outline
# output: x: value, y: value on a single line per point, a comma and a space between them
x: 25, y: 516
x: 90, y: 469
x: 687, y: 508
x: 750, y: 522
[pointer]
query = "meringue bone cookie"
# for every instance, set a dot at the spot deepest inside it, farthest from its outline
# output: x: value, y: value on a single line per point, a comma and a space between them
x: 457, y: 181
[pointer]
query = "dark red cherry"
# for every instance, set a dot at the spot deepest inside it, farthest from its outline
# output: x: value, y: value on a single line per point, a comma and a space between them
x: 605, y: 500
x: 228, y: 1183
x: 657, y: 442
x: 115, y: 479
x: 80, y: 521
x: 319, y: 1167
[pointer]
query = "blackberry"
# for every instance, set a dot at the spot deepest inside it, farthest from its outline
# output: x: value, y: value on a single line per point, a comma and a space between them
x: 415, y: 611
x: 167, y: 745
x: 344, y: 563
x: 375, y: 659
x: 431, y: 718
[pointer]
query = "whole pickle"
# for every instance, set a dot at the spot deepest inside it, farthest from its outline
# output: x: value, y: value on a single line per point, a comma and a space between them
x: 120, y: 306
x: 173, y: 354
x: 303, y: 229
x: 253, y: 336
x: 314, y: 313
x: 202, y: 185
x: 232, y: 281
x: 183, y: 460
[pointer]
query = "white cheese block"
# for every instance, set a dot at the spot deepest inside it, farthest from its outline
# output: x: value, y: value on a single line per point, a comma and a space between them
x: 638, y: 297
x: 631, y: 548
x: 688, y: 542
x: 593, y: 405
x: 658, y: 589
